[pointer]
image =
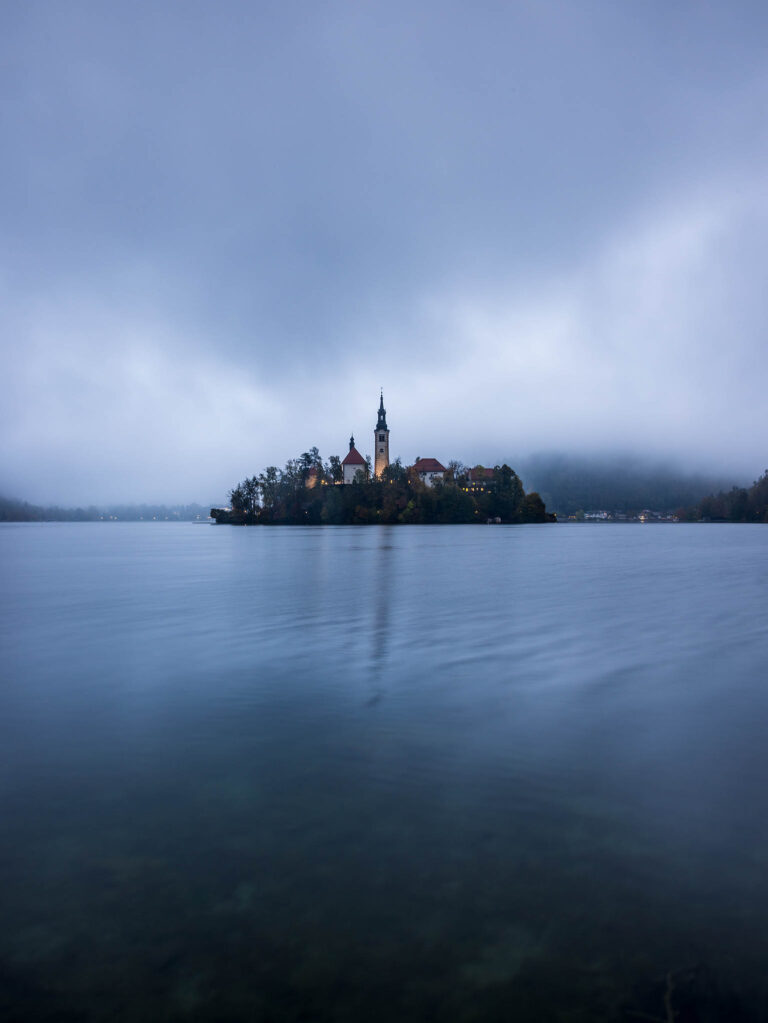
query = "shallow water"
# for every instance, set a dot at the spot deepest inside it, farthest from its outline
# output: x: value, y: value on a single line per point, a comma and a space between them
x: 383, y: 773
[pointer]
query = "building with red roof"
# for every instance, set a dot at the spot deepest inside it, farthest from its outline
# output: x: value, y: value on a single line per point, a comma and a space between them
x: 428, y: 470
x: 353, y: 463
x: 480, y: 479
x: 479, y: 474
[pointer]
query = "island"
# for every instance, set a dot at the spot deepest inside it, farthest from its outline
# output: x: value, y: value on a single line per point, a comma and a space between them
x: 362, y: 491
x: 312, y: 492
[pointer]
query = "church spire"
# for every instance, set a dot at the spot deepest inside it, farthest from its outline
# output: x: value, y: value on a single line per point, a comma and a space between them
x: 381, y: 440
x: 382, y: 423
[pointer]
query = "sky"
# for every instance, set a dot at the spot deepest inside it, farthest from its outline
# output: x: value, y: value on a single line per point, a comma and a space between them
x: 538, y: 225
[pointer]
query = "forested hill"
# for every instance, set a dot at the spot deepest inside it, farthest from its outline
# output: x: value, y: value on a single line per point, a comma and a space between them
x: 569, y: 484
x: 307, y: 492
x: 740, y: 504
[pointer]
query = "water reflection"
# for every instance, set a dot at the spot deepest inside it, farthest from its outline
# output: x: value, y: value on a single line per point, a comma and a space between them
x: 381, y: 611
x: 556, y: 811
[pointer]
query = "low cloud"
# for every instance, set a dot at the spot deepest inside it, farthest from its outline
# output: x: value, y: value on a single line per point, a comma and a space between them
x: 537, y: 226
x: 644, y: 344
x: 106, y: 410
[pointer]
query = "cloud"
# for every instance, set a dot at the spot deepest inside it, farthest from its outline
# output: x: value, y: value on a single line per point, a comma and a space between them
x: 535, y: 225
x: 644, y: 342
x: 637, y: 345
x: 104, y: 409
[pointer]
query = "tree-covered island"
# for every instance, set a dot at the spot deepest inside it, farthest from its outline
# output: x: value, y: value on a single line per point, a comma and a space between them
x: 310, y: 491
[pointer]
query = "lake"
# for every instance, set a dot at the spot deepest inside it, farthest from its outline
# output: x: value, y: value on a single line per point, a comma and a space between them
x: 458, y: 773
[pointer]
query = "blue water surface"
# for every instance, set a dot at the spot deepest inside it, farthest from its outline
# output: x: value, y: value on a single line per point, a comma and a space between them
x: 383, y: 773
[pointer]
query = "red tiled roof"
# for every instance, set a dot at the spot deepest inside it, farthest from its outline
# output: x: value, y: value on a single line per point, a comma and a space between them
x: 312, y: 471
x: 354, y: 458
x: 480, y: 473
x: 428, y: 465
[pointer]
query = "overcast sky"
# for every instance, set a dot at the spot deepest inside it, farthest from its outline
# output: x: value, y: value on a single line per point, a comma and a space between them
x: 538, y: 225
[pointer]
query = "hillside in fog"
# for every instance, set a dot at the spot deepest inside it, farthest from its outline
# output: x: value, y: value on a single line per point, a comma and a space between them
x: 569, y: 483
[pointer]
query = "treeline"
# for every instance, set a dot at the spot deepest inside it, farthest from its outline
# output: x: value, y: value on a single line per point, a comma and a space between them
x: 21, y: 511
x: 740, y: 504
x: 307, y: 492
x: 571, y: 483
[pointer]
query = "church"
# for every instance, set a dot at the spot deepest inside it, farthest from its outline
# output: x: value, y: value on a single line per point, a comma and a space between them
x: 427, y: 469
x: 353, y: 463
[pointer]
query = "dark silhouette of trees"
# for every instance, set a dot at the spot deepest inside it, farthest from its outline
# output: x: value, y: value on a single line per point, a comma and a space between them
x: 307, y: 492
x: 740, y: 504
x: 334, y: 472
x: 570, y: 483
x: 395, y: 472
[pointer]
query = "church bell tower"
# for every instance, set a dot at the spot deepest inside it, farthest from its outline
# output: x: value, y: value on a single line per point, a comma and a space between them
x: 381, y: 440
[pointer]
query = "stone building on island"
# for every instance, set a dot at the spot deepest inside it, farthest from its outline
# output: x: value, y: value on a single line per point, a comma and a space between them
x: 353, y: 463
x: 428, y: 470
x: 381, y: 440
x: 425, y: 469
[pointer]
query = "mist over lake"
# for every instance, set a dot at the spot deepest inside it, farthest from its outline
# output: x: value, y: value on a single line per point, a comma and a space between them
x: 537, y: 226
x: 407, y: 773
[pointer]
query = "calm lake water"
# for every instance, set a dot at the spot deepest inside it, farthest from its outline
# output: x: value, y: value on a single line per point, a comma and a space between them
x: 383, y: 774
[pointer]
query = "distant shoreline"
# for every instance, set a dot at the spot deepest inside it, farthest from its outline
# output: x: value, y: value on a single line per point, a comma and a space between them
x: 12, y: 510
x: 230, y: 520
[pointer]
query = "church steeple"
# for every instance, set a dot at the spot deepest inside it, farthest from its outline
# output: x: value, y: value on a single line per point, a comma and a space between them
x: 382, y: 423
x: 381, y: 440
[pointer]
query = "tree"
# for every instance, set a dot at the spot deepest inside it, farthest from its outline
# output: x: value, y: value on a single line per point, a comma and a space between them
x: 332, y: 511
x: 395, y: 472
x: 533, y: 508
x: 334, y: 469
x: 237, y: 498
x: 309, y: 460
x: 269, y: 482
x: 250, y: 489
x: 456, y: 470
